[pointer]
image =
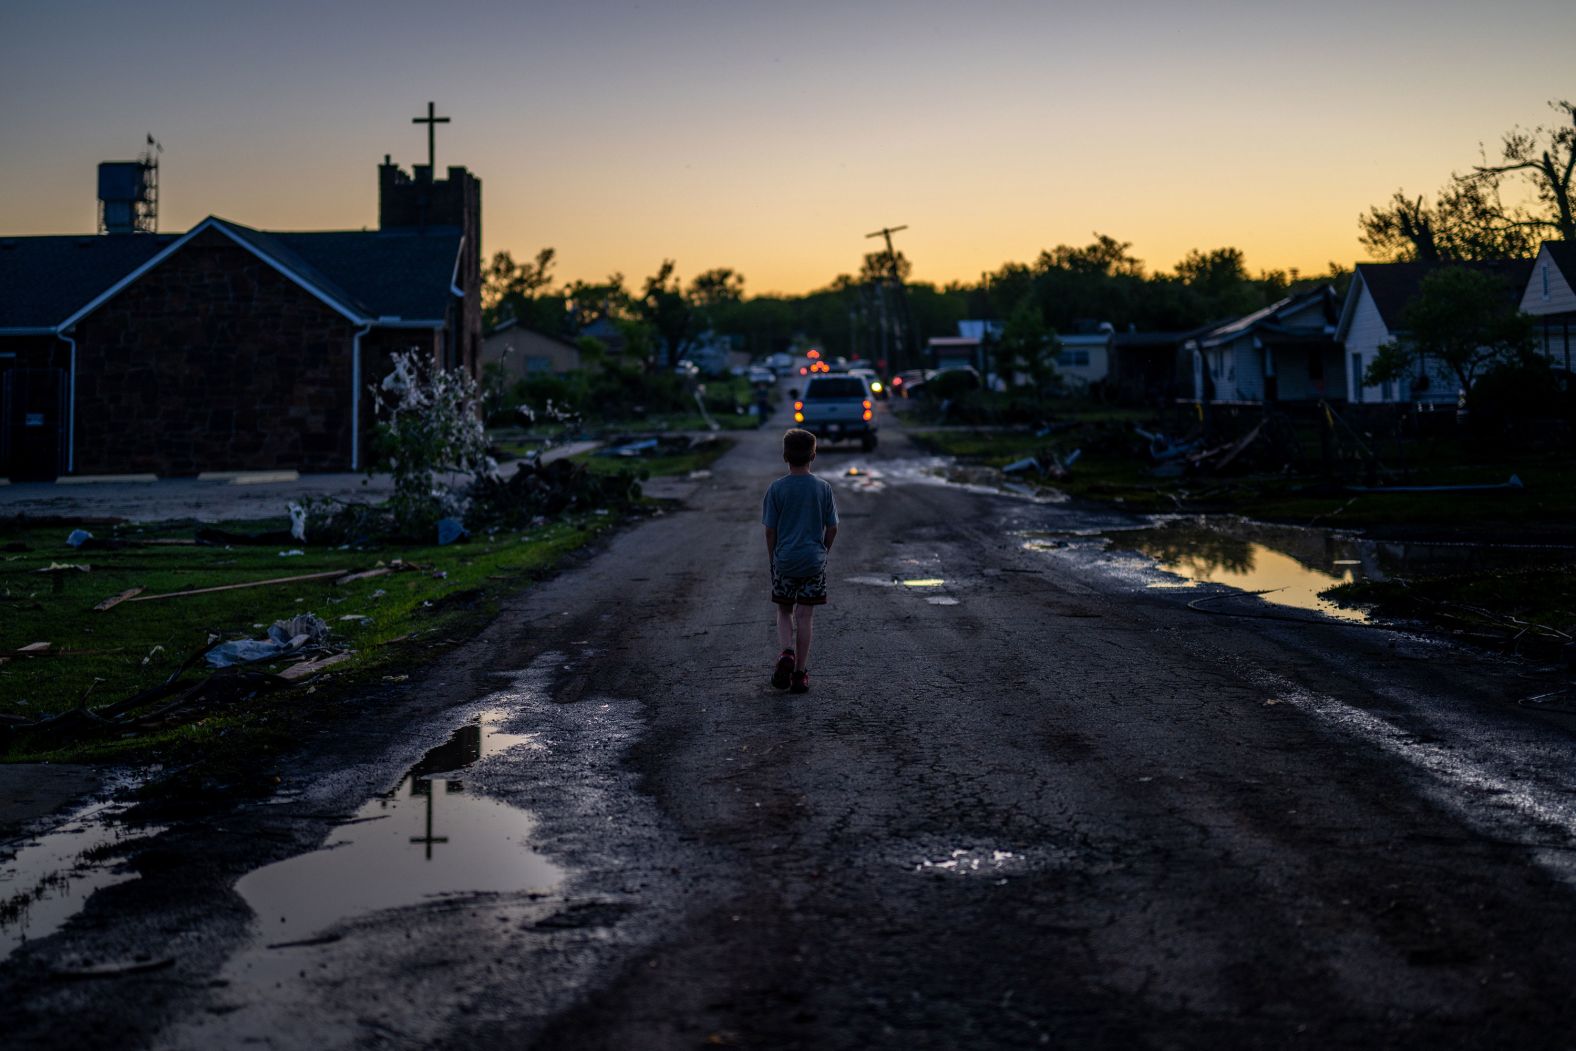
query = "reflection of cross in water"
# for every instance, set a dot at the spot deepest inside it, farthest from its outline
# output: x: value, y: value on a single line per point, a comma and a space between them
x: 429, y: 839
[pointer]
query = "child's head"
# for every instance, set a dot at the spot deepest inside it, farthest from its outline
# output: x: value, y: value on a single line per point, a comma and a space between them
x: 798, y: 447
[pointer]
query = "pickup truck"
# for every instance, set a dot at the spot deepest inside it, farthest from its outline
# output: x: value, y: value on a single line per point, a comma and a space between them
x: 836, y: 408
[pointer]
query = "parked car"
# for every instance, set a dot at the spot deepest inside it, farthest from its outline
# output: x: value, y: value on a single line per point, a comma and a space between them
x: 837, y: 408
x: 761, y: 374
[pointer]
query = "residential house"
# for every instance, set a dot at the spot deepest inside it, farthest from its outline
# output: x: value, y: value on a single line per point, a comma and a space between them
x: 1374, y: 314
x: 1550, y: 300
x: 1285, y: 352
x: 1083, y: 356
x: 519, y: 352
x: 226, y: 347
x: 1146, y: 367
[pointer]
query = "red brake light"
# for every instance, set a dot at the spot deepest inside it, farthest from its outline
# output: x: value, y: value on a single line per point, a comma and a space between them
x: 798, y: 406
x: 803, y: 371
x: 897, y: 381
x: 867, y: 405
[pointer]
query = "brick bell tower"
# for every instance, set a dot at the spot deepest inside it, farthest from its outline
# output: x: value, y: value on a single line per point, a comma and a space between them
x: 418, y: 203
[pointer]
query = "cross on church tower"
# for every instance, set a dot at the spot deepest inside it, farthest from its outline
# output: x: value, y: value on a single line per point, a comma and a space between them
x: 431, y: 120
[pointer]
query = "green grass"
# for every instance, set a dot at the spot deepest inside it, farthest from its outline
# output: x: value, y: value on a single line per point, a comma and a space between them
x: 410, y: 614
x: 1540, y: 602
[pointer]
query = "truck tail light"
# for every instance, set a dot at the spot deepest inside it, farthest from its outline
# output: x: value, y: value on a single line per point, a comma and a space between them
x: 869, y: 414
x: 867, y: 405
x: 798, y: 406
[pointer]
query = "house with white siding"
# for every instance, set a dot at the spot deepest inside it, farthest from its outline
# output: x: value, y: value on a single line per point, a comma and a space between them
x: 1284, y: 352
x: 1550, y: 300
x: 1083, y: 358
x: 1374, y: 314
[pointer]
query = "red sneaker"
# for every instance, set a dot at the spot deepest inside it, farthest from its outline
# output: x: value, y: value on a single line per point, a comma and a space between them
x: 801, y: 682
x: 783, y: 670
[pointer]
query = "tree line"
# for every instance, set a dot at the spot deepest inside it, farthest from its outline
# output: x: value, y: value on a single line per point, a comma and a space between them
x: 1499, y: 208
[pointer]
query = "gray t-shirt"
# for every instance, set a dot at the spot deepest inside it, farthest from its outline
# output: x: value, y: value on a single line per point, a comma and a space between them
x: 799, y: 507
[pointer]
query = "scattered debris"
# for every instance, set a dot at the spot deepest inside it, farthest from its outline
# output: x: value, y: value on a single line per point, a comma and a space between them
x: 294, y: 552
x: 35, y: 648
x: 450, y: 531
x: 538, y: 490
x: 299, y: 671
x: 284, y: 636
x: 78, y: 537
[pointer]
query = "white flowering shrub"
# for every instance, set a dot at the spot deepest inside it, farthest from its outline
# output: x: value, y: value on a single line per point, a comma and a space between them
x: 429, y: 429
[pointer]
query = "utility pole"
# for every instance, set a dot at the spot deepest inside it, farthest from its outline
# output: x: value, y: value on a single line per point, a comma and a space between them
x: 905, y: 352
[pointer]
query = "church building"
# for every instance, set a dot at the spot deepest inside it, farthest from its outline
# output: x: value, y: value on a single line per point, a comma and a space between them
x: 228, y: 348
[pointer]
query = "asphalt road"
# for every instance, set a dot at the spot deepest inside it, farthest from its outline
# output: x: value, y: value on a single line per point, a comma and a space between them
x: 1039, y: 804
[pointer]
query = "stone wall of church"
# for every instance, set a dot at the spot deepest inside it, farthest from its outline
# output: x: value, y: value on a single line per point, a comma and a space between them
x: 212, y: 361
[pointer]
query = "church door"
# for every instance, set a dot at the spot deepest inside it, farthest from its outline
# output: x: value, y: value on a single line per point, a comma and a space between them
x: 33, y: 424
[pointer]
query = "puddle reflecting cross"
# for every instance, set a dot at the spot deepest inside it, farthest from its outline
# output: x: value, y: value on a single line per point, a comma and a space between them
x: 429, y: 839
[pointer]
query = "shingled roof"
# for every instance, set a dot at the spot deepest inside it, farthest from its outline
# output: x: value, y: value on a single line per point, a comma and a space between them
x: 44, y: 279
x: 1393, y: 285
x: 370, y: 275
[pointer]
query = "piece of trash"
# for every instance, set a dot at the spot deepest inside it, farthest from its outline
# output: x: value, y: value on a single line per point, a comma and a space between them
x: 297, y: 520
x: 61, y: 567
x: 35, y: 647
x: 79, y: 537
x: 292, y: 553
x: 284, y: 636
x: 451, y: 530
x: 396, y: 678
x: 151, y: 654
x: 379, y: 593
x: 305, y: 668
x: 359, y: 618
x: 440, y: 574
x: 1028, y: 463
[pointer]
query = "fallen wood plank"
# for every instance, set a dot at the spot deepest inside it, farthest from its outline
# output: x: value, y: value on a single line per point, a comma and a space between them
x: 366, y: 574
x: 115, y: 600
x: 238, y: 587
x: 305, y: 668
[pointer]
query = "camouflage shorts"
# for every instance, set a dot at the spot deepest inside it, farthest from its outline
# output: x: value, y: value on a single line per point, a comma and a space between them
x: 799, y: 591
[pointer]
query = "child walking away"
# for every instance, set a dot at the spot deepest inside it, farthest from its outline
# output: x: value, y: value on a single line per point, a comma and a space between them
x: 800, y: 517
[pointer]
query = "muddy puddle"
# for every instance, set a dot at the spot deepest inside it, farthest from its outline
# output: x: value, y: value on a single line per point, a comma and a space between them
x: 429, y: 838
x: 1289, y: 566
x: 46, y: 879
x: 861, y: 476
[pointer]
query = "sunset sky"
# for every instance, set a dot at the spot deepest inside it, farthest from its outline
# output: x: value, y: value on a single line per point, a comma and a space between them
x: 770, y: 137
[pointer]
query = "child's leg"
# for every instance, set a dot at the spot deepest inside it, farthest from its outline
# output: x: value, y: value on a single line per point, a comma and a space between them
x: 803, y: 619
x: 785, y: 627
